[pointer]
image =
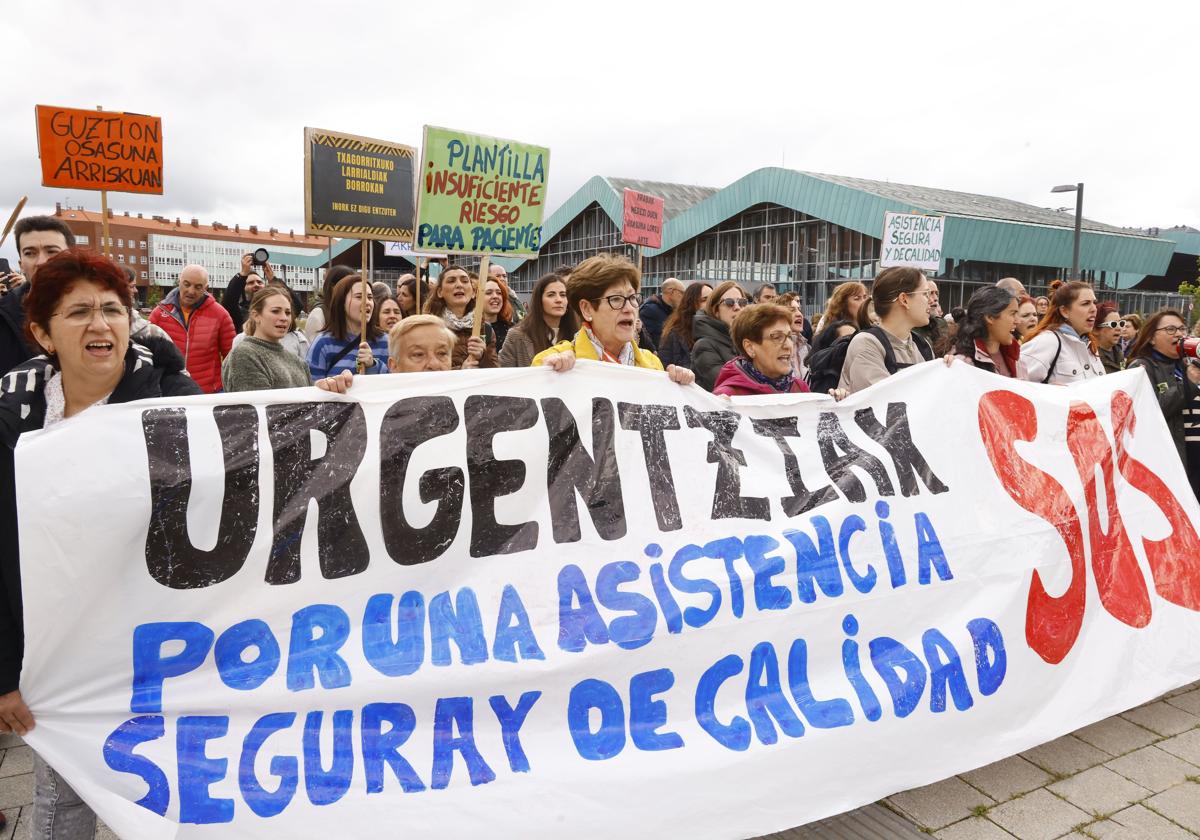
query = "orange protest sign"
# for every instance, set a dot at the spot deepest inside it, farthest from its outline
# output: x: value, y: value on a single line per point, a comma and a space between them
x: 100, y: 150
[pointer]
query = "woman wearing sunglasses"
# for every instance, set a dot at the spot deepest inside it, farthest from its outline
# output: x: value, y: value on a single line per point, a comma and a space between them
x: 1106, y: 337
x: 1156, y: 350
x: 602, y: 293
x: 711, y: 329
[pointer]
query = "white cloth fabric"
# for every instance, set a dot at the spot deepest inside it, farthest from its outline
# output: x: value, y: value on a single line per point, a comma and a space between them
x: 1075, y: 363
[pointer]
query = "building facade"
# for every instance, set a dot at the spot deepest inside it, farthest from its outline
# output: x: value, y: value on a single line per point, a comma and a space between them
x: 157, y: 248
x: 807, y: 233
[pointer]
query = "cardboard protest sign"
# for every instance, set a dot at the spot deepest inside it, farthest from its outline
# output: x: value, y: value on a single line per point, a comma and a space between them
x: 643, y: 219
x: 480, y: 195
x: 357, y: 186
x: 100, y: 150
x: 516, y: 603
x: 912, y: 240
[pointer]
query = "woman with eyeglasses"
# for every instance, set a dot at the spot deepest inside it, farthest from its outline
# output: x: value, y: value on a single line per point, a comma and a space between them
x: 1156, y: 351
x: 901, y: 299
x: 1106, y: 337
x: 602, y: 293
x: 765, y: 334
x: 1057, y: 352
x: 77, y: 312
x: 714, y: 343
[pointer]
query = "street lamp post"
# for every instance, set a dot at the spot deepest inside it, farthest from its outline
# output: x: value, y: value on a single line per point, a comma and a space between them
x: 1078, y: 190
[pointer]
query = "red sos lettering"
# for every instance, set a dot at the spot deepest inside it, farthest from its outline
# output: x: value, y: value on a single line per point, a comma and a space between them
x: 1052, y: 623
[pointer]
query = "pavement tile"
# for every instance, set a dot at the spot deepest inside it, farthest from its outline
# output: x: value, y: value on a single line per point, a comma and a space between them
x: 1163, y: 718
x: 103, y: 832
x: 1180, y: 804
x: 1186, y: 746
x: 936, y: 806
x: 1099, y: 791
x: 9, y: 739
x: 1153, y: 769
x: 1099, y: 830
x: 1116, y: 736
x: 16, y: 791
x: 975, y: 828
x: 13, y: 815
x: 1148, y: 824
x: 1066, y: 755
x: 1189, y: 701
x: 1007, y: 778
x: 16, y: 760
x: 1039, y: 815
x: 22, y: 831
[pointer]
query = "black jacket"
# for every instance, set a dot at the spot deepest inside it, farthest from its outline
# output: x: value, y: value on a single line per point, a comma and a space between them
x: 1174, y: 395
x: 675, y: 351
x: 13, y: 348
x: 153, y: 370
x: 654, y: 314
x: 712, y: 349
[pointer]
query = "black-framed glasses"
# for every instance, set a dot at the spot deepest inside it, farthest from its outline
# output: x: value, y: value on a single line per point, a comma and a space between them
x: 779, y: 337
x: 1174, y: 329
x: 619, y: 302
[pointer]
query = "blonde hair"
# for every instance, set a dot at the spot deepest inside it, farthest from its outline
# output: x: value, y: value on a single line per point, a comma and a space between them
x: 259, y: 303
x: 412, y: 322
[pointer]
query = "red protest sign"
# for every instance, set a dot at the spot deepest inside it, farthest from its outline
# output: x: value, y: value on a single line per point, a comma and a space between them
x: 100, y: 150
x: 643, y: 223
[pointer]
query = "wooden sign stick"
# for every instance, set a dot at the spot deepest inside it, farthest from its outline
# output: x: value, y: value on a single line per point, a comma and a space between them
x: 12, y: 220
x: 107, y: 248
x: 640, y: 249
x: 477, y: 327
x: 362, y: 309
x: 417, y: 287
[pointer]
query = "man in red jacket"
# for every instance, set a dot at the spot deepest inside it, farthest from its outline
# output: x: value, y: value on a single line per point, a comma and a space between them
x: 199, y: 326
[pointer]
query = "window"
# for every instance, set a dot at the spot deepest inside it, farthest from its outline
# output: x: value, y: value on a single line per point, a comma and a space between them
x: 120, y: 243
x: 120, y: 258
x: 143, y: 244
x: 143, y: 275
x: 143, y: 260
x: 81, y: 240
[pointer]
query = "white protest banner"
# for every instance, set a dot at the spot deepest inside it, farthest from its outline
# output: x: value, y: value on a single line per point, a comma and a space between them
x: 592, y: 604
x: 913, y: 240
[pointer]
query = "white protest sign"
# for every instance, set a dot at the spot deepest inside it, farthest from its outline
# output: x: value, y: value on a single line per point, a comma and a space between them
x: 913, y: 240
x: 595, y: 604
x: 405, y: 249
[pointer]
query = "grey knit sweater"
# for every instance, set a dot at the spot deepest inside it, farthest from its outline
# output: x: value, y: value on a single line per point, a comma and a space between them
x: 258, y: 365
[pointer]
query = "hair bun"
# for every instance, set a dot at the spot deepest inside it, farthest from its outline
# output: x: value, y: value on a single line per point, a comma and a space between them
x: 1055, y: 285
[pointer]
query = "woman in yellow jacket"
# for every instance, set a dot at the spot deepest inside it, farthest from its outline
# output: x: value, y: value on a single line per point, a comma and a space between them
x: 603, y: 293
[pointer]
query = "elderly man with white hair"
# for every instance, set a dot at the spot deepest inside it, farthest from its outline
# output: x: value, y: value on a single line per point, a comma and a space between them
x: 199, y: 326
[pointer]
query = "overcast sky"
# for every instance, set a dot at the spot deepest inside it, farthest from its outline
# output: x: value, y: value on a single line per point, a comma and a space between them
x: 1004, y: 99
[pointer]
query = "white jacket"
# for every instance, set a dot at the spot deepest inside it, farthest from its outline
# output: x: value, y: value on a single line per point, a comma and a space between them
x: 1076, y: 361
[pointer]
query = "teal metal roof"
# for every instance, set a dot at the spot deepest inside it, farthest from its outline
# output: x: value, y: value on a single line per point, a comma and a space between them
x: 978, y: 227
x: 1187, y: 240
x: 676, y: 197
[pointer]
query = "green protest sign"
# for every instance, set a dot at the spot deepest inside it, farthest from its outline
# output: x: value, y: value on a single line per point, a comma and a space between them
x: 479, y: 194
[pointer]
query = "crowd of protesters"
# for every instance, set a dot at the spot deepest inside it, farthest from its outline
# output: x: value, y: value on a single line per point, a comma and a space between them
x: 71, y: 338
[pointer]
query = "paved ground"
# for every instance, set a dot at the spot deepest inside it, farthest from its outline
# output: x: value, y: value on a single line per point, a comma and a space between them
x: 1136, y: 775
